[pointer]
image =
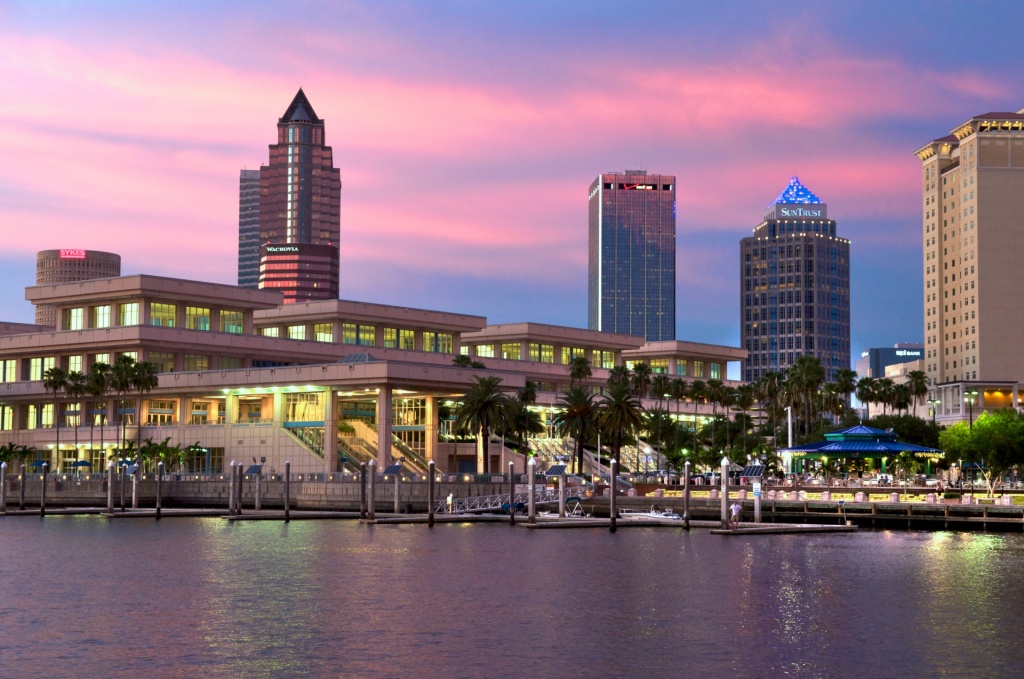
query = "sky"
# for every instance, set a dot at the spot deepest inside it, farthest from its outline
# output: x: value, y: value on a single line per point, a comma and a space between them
x: 467, y: 135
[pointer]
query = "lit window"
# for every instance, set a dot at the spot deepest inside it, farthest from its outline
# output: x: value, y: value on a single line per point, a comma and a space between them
x: 231, y: 321
x: 74, y: 319
x: 323, y: 332
x: 297, y: 332
x: 197, y: 318
x: 270, y: 332
x: 162, y: 314
x: 101, y: 316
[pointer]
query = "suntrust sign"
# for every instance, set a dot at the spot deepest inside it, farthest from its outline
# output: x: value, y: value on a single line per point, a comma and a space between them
x: 800, y: 212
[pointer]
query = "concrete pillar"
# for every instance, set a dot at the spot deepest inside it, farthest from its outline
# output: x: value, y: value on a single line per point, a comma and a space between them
x: 278, y: 413
x: 230, y: 408
x: 330, y: 431
x: 430, y: 435
x: 384, y: 426
x: 531, y: 469
x: 725, y: 492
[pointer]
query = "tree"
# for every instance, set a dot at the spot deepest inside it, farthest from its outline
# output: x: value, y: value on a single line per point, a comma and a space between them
x: 745, y: 401
x: 528, y: 394
x: 885, y: 392
x: 620, y: 415
x: 845, y: 381
x: 620, y: 374
x: 867, y: 392
x: 97, y: 383
x: 907, y: 465
x: 55, y: 380
x: 577, y: 417
x: 698, y: 394
x: 957, y: 442
x: 769, y: 388
x: 144, y: 379
x: 641, y: 379
x: 805, y: 377
x: 121, y: 381
x: 918, y: 382
x: 579, y: 370
x: 999, y: 437
x: 481, y: 409
x: 76, y: 389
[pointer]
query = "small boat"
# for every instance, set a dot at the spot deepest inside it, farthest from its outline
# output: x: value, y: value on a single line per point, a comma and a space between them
x: 654, y: 512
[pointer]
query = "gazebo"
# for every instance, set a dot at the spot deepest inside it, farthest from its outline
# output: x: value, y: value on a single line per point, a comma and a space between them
x: 861, y: 443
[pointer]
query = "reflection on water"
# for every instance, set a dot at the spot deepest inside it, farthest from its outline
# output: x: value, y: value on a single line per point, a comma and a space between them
x: 199, y: 597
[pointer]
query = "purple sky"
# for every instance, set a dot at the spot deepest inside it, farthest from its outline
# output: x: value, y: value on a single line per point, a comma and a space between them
x: 467, y: 134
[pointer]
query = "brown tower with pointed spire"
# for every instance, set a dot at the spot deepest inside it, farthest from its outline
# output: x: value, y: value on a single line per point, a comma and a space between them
x: 300, y: 191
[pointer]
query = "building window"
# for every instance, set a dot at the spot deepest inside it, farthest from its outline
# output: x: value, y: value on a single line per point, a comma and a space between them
x: 229, y: 362
x: 542, y: 353
x: 323, y: 332
x: 162, y: 314
x: 101, y: 316
x: 164, y: 361
x: 659, y: 366
x: 698, y: 368
x: 512, y: 351
x: 100, y: 358
x: 569, y: 353
x: 231, y: 321
x: 362, y: 335
x: 438, y: 342
x: 195, y: 362
x: 160, y: 412
x: 38, y: 366
x: 485, y: 350
x: 270, y: 332
x: 304, y: 407
x: 197, y: 318
x: 407, y: 340
x: 7, y: 370
x: 390, y: 338
x: 74, y: 319
x: 74, y: 364
x: 297, y: 332
x: 716, y: 370
x: 681, y: 366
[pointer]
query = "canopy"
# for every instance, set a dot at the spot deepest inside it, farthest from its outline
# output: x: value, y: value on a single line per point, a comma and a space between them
x: 860, y: 442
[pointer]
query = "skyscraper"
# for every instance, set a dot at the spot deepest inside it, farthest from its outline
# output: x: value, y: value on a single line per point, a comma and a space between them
x: 973, y: 232
x: 249, y: 229
x: 68, y: 265
x: 795, y: 287
x: 300, y: 191
x: 632, y: 277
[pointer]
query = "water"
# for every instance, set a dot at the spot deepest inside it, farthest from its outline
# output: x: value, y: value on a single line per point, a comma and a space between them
x: 88, y: 597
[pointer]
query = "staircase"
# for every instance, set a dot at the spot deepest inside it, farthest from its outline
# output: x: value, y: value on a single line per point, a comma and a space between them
x: 367, y: 434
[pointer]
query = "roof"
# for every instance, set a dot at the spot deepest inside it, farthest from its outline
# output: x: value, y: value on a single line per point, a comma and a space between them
x: 300, y: 110
x: 796, y: 193
x: 855, y: 441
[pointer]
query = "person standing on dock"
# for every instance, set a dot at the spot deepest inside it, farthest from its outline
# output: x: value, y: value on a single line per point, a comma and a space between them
x: 734, y: 517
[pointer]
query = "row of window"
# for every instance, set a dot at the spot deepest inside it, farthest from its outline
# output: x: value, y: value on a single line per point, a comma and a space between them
x: 160, y: 314
x: 364, y: 335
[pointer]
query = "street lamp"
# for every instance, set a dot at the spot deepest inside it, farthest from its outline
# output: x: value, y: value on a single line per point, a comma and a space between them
x: 934, y: 403
x: 969, y: 399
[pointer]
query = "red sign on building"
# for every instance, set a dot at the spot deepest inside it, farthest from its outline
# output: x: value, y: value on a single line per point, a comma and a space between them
x: 72, y: 254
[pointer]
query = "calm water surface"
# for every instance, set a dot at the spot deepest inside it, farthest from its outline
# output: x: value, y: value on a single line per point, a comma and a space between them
x: 88, y: 597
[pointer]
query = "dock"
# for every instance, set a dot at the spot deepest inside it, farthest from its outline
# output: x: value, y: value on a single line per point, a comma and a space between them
x: 783, y: 529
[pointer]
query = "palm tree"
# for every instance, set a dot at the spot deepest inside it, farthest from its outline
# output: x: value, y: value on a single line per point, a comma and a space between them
x: 769, y: 389
x: 76, y: 389
x: 918, y: 382
x: 698, y: 394
x: 620, y: 415
x: 885, y: 392
x: 577, y: 417
x: 481, y: 409
x: 55, y: 380
x: 714, y: 393
x: 528, y: 394
x: 845, y: 382
x: 121, y: 381
x: 144, y: 379
x: 579, y: 370
x: 96, y: 387
x: 806, y: 376
x: 867, y: 391
x: 619, y: 373
x: 831, y: 400
x: 641, y: 379
x: 901, y: 397
x: 745, y: 398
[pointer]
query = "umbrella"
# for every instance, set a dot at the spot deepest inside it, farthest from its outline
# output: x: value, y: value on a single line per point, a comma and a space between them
x: 81, y: 463
x: 37, y: 463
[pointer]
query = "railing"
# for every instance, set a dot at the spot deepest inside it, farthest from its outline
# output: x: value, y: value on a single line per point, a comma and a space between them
x: 484, y: 503
x: 311, y: 438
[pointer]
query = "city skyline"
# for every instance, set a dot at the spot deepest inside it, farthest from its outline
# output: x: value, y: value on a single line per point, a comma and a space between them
x: 465, y: 139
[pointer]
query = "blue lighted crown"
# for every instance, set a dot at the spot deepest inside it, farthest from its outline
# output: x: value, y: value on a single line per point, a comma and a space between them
x: 796, y: 194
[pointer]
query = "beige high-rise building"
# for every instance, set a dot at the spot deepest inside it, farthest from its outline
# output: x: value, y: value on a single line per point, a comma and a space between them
x: 973, y: 230
x: 68, y: 265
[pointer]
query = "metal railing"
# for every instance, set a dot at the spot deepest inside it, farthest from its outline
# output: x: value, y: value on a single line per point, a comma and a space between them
x: 486, y: 503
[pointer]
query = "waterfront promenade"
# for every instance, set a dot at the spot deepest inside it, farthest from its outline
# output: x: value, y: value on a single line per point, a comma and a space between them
x: 917, y: 508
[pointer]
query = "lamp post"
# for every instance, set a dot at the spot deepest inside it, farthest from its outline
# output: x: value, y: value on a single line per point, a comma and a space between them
x: 934, y: 403
x: 969, y: 399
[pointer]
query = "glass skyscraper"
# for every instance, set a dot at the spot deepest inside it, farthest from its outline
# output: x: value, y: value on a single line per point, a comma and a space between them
x: 249, y: 229
x: 300, y: 191
x: 795, y: 287
x: 632, y: 253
